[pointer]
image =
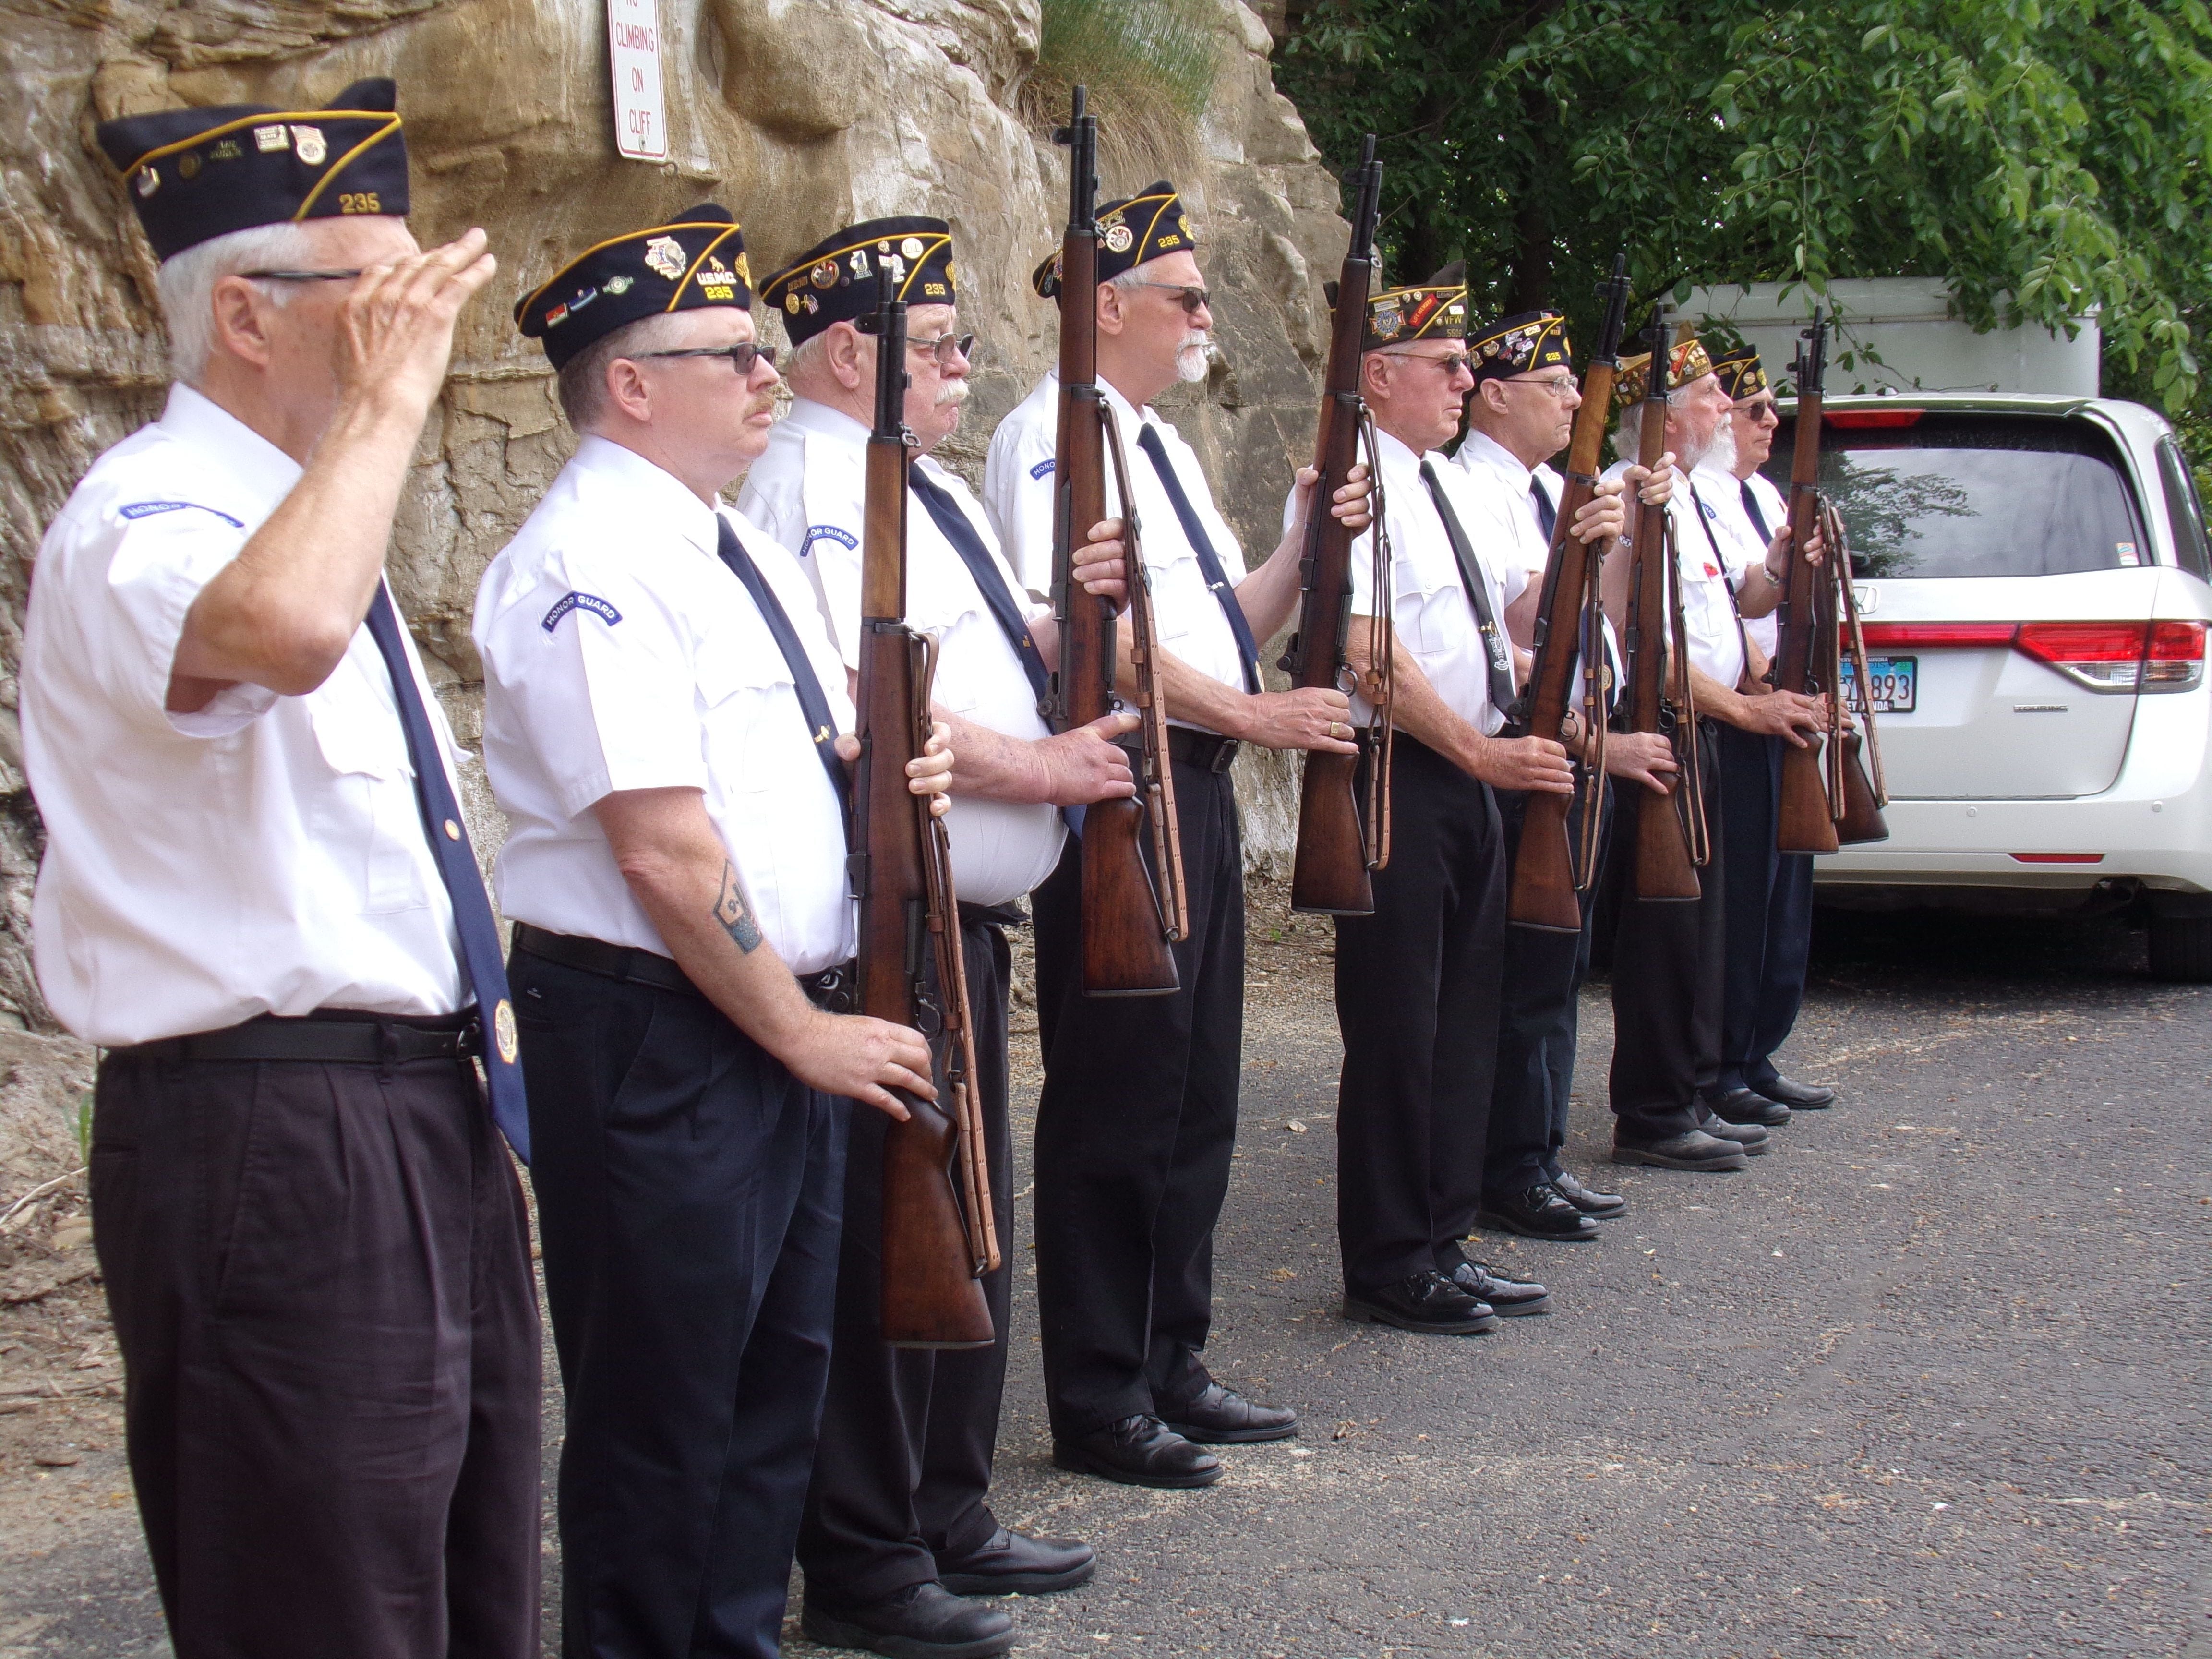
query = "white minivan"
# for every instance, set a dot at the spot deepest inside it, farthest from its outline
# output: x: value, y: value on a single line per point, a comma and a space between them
x: 2034, y: 578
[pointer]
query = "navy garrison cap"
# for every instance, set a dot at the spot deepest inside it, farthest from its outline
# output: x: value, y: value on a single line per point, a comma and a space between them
x: 697, y: 259
x: 1742, y: 373
x: 836, y: 280
x: 1144, y: 226
x: 195, y: 174
x: 1520, y: 344
x: 1399, y: 316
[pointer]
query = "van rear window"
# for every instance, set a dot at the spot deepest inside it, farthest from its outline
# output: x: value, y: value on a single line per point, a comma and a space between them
x: 1978, y: 495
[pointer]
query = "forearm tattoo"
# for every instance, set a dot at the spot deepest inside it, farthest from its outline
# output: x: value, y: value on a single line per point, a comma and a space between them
x: 730, y: 911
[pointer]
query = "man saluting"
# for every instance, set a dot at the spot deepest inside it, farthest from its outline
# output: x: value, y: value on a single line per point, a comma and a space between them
x: 258, y: 895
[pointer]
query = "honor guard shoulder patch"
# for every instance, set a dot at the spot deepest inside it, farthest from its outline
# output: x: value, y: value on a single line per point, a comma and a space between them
x: 1043, y: 469
x: 827, y: 532
x: 138, y: 510
x: 591, y: 602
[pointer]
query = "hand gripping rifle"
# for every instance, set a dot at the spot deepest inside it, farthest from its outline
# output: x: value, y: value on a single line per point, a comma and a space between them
x: 1548, y: 871
x: 1338, y: 841
x: 1127, y: 920
x: 1670, y: 831
x: 937, y: 1243
x: 1823, y: 806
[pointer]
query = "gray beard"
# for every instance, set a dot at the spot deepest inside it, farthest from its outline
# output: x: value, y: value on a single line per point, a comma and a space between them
x: 1193, y: 359
x: 1722, y: 453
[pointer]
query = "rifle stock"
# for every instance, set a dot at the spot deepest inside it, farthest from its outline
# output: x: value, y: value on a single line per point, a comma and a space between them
x: 1548, y: 879
x: 934, y: 1253
x: 1664, y: 866
x: 1804, y: 822
x: 1335, y: 849
x: 1126, y: 923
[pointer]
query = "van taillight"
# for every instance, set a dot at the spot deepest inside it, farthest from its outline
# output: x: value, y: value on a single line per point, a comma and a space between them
x: 2117, y: 656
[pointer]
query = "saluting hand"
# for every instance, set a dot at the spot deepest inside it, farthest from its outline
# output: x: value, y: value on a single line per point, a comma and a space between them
x: 862, y: 1059
x: 395, y: 333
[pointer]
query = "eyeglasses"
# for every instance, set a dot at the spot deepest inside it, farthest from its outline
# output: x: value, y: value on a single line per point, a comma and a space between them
x: 1760, y: 410
x: 1561, y: 386
x: 1451, y: 364
x: 301, y: 276
x: 742, y: 356
x: 945, y: 347
x: 1194, y: 299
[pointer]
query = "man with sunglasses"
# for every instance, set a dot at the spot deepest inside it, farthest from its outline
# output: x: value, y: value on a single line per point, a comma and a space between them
x: 1519, y: 416
x: 662, y: 713
x: 897, y: 1527
x: 1770, y: 893
x: 1138, y: 1116
x: 257, y: 897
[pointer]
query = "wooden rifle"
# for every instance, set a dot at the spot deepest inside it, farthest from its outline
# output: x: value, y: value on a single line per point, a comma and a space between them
x: 1827, y: 799
x: 937, y: 1242
x: 1670, y: 830
x: 1339, y: 843
x: 1128, y: 919
x: 1549, y: 871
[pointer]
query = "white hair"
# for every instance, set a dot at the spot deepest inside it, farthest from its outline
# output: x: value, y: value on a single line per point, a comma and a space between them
x: 1628, y: 430
x: 806, y: 356
x: 186, y: 284
x: 1130, y: 280
x: 582, y: 383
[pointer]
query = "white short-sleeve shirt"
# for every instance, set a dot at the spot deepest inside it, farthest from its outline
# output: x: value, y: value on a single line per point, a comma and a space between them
x: 264, y: 856
x: 1708, y: 604
x: 621, y: 652
x: 1017, y: 488
x: 810, y: 492
x: 1741, y: 544
x: 1434, y: 617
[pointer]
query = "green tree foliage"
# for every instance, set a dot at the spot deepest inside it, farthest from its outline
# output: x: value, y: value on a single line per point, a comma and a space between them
x: 2058, y: 152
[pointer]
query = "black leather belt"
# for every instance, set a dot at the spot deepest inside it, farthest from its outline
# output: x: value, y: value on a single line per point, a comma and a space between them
x: 831, y: 988
x: 335, y: 1036
x: 1209, y: 751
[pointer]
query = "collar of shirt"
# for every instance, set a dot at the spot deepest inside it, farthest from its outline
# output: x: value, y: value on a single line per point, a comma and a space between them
x: 1480, y: 449
x: 822, y: 421
x: 655, y: 494
x: 196, y: 419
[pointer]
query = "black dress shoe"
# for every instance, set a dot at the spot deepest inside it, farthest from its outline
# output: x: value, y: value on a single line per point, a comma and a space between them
x: 1599, y: 1206
x: 1798, y: 1097
x: 1137, y: 1451
x: 922, y: 1621
x: 1014, y: 1564
x: 1216, y: 1416
x: 1752, y: 1137
x: 1427, y: 1303
x: 1540, y: 1213
x: 1693, y: 1151
x: 1505, y: 1296
x: 1745, y: 1106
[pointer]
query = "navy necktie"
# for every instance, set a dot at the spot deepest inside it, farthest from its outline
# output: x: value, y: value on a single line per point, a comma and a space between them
x: 1209, y: 562
x: 821, y: 723
x: 481, y: 968
x: 1547, y: 516
x: 1500, y: 654
x: 985, y: 569
x: 1758, y: 518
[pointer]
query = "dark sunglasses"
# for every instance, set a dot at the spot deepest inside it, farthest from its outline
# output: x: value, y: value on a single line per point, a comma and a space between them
x: 301, y: 276
x: 1194, y: 299
x: 742, y: 356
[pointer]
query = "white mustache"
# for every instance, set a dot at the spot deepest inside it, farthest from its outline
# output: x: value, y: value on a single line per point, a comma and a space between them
x: 953, y: 391
x: 1194, y: 356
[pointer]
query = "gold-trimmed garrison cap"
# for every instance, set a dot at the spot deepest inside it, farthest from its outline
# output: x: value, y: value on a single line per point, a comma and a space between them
x: 697, y: 259
x: 1520, y: 344
x: 1141, y: 228
x: 1398, y: 316
x: 1742, y: 373
x: 196, y: 174
x: 1686, y: 362
x: 837, y: 280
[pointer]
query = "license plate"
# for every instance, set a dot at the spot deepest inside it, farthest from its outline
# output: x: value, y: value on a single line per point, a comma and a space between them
x: 1895, y: 680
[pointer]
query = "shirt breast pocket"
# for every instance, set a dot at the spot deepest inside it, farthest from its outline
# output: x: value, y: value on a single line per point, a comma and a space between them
x: 744, y: 685
x: 1422, y: 611
x: 371, y: 819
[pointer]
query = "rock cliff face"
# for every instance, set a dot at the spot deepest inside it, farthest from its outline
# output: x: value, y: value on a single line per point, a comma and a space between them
x: 799, y: 114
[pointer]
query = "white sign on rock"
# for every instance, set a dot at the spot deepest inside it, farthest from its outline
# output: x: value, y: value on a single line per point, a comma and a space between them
x: 634, y: 52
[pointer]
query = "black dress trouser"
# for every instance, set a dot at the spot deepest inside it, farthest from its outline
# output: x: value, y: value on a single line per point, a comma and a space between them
x: 1135, y: 1125
x: 904, y: 1464
x: 1536, y: 1027
x: 1668, y: 961
x: 320, y: 1280
x: 1770, y: 913
x: 689, y: 1195
x: 1417, y: 985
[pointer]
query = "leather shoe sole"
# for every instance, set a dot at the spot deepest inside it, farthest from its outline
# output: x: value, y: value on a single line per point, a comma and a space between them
x: 1198, y: 1434
x: 1374, y: 1313
x: 1584, y: 1228
x: 1800, y: 1097
x: 1625, y: 1152
x: 1018, y: 1583
x: 833, y: 1633
x: 1076, y: 1461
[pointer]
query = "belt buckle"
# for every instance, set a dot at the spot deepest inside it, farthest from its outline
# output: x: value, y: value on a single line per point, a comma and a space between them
x: 1226, y: 756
